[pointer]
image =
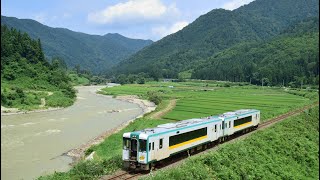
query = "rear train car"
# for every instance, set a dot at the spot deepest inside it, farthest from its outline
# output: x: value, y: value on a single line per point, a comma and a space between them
x: 142, y: 149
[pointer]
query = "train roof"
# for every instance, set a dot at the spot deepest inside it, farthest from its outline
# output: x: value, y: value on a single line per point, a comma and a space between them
x: 168, y: 127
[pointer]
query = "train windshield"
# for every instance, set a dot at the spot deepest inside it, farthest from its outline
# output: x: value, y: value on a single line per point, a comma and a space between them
x: 126, y: 143
x: 142, y: 145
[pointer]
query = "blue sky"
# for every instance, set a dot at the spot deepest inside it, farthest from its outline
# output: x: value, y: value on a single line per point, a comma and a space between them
x: 140, y: 19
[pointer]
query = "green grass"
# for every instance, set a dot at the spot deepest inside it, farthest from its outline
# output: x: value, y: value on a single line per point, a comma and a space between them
x: 78, y: 80
x: 26, y: 93
x: 288, y: 150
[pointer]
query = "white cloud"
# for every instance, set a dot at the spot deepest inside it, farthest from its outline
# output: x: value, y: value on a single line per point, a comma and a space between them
x: 136, y: 10
x: 234, y: 4
x: 66, y: 15
x: 166, y: 30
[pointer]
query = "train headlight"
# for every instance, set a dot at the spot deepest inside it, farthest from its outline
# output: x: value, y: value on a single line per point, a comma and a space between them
x: 141, y: 158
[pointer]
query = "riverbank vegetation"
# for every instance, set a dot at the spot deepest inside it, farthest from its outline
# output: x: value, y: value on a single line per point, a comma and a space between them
x: 82, y: 77
x: 288, y: 150
x: 195, y: 99
x: 28, y: 80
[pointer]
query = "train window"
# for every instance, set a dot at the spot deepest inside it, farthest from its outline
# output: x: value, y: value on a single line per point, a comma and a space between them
x: 256, y: 116
x: 160, y: 143
x: 222, y: 125
x: 226, y: 125
x: 126, y: 143
x: 142, y: 145
x: 149, y: 146
x: 229, y: 124
x: 152, y: 145
x: 177, y: 139
x: 242, y: 121
x: 215, y: 128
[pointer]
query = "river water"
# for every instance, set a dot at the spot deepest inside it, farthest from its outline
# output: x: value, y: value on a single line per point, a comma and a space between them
x: 32, y: 144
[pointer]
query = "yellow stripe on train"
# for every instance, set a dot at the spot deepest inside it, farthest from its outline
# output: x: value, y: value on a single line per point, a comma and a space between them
x: 245, y: 124
x: 188, y: 142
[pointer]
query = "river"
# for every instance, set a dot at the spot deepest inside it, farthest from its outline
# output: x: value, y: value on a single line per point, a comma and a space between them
x: 32, y: 144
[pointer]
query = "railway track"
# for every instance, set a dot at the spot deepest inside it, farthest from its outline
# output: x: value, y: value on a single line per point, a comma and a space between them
x: 286, y: 115
x: 176, y: 159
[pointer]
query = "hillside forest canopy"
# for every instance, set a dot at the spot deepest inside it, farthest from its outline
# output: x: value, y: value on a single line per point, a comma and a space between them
x: 27, y: 77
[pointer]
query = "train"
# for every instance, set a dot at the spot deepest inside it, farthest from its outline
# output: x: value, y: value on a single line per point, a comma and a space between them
x: 143, y: 149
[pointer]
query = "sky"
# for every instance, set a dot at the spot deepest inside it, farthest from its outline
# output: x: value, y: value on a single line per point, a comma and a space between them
x: 138, y: 19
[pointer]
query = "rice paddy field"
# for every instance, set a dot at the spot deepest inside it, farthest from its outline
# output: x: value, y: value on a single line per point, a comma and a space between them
x: 200, y: 99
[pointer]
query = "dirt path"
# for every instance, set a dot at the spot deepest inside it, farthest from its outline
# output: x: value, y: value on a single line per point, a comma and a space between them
x: 159, y: 114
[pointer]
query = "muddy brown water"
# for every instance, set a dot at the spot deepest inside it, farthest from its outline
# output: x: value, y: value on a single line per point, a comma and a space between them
x: 33, y: 144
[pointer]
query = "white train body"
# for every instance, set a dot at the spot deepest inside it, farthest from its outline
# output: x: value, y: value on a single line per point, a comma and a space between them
x: 142, y: 148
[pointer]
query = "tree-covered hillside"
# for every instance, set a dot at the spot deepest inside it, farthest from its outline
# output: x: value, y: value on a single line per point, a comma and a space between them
x: 28, y: 80
x: 290, y: 58
x: 215, y: 31
x: 92, y: 52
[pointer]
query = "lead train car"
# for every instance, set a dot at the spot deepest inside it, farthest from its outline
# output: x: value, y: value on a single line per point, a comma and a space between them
x: 141, y: 149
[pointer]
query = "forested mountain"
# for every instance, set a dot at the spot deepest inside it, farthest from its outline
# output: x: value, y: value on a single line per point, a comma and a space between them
x: 92, y: 52
x: 216, y: 31
x: 27, y: 77
x: 292, y: 58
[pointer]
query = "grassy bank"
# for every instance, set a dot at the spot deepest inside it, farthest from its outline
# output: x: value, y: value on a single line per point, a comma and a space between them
x: 195, y: 99
x: 288, y: 150
x: 27, y: 94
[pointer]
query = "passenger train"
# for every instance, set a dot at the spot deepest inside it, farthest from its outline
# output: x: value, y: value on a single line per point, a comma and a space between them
x: 143, y: 149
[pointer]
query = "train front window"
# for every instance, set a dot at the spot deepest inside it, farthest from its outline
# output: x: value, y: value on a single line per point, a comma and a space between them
x: 142, y: 145
x: 126, y: 143
x: 133, y: 144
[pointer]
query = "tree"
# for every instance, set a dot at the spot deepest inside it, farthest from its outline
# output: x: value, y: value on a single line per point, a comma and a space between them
x: 121, y: 79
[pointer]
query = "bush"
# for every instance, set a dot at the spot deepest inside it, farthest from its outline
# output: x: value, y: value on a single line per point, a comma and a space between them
x: 141, y: 80
x: 154, y: 97
x: 87, y: 169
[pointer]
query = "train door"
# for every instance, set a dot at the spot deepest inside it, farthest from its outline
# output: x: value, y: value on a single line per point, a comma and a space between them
x: 220, y: 130
x: 151, y: 150
x: 159, y: 148
x: 215, y: 132
x: 134, y: 149
x: 227, y: 128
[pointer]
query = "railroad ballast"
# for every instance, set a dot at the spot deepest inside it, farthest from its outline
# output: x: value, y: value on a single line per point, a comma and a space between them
x: 143, y: 149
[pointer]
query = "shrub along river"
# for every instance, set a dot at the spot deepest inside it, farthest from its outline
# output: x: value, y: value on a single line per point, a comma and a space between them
x: 32, y: 144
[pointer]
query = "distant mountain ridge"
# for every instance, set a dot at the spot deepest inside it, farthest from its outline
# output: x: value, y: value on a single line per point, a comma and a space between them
x: 215, y: 31
x: 92, y: 52
x: 291, y: 58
